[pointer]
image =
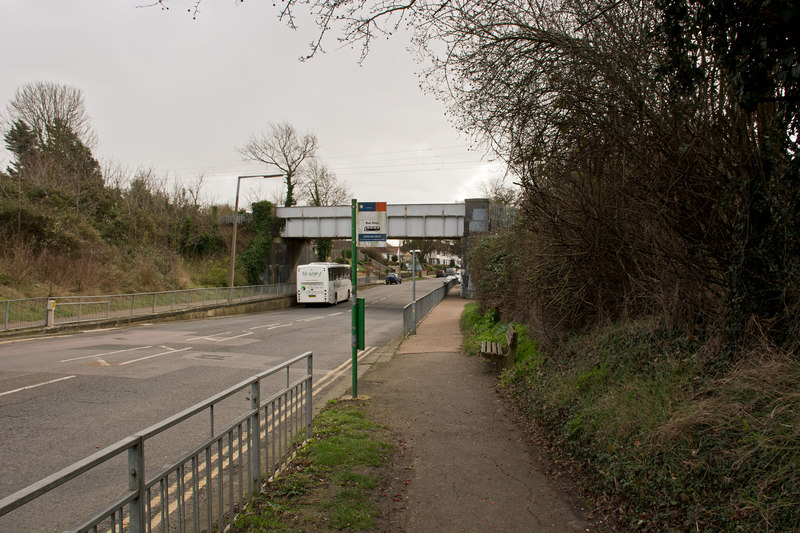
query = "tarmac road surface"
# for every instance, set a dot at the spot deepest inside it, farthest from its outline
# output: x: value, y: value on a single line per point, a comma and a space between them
x: 65, y: 397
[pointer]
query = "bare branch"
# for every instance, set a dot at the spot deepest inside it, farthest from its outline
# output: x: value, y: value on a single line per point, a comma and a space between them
x: 42, y: 104
x: 281, y: 147
x: 321, y: 187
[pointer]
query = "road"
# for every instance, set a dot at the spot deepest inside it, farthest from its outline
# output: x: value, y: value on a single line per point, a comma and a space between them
x: 64, y: 397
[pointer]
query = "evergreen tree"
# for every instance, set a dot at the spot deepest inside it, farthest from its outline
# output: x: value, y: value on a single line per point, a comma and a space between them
x: 254, y: 259
x: 72, y: 166
x: 21, y: 142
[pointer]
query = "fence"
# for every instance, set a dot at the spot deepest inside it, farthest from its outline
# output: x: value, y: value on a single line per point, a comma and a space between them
x: 32, y: 312
x: 205, y: 487
x: 413, y: 315
x: 27, y: 313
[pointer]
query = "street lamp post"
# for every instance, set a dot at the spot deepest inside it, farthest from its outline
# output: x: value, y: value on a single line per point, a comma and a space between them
x: 236, y: 226
x: 414, y: 288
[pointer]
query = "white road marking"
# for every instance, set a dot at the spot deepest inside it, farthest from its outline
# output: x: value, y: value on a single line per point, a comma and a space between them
x: 209, y: 337
x: 170, y: 351
x: 212, y: 338
x: 280, y: 326
x: 320, y: 317
x: 245, y: 334
x: 104, y: 354
x: 37, y: 385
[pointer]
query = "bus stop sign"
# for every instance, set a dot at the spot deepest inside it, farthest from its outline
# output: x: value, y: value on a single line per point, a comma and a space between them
x: 372, y: 223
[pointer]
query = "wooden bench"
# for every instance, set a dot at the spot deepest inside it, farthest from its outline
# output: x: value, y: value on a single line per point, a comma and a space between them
x: 499, y: 352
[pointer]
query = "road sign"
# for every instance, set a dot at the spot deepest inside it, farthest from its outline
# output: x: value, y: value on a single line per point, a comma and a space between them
x: 372, y: 224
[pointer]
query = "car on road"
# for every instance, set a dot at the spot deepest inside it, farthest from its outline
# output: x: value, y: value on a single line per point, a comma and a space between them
x: 393, y: 278
x: 440, y: 273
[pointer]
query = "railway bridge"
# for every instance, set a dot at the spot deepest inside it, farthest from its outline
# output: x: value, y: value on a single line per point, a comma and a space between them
x: 405, y: 221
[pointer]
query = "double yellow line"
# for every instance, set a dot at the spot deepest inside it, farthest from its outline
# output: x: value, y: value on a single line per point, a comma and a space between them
x: 338, y: 372
x: 317, y: 389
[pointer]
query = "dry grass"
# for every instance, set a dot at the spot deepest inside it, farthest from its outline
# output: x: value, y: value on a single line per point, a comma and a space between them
x: 743, y: 428
x: 18, y: 260
x: 29, y: 271
x: 663, y: 443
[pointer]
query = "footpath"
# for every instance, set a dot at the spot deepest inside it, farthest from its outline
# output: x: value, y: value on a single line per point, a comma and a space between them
x: 464, y: 465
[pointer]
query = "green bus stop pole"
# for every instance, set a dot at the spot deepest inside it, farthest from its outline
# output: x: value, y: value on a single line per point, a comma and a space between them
x: 354, y: 312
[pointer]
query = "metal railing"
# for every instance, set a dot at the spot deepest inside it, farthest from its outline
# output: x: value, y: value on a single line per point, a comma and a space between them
x: 26, y: 313
x: 424, y: 306
x: 382, y: 269
x: 204, y: 488
x: 32, y: 312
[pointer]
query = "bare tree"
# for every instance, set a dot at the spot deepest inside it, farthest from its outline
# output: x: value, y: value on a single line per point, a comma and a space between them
x: 43, y: 104
x: 321, y: 187
x: 283, y: 148
x: 498, y: 192
x: 185, y: 194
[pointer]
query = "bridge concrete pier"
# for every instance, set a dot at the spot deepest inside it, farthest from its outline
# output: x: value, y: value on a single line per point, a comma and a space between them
x: 285, y: 255
x: 481, y: 216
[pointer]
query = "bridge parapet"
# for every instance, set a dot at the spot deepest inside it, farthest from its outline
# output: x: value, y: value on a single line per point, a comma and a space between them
x: 406, y: 221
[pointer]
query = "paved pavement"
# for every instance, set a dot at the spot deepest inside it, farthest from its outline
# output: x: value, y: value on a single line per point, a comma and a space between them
x: 465, y: 465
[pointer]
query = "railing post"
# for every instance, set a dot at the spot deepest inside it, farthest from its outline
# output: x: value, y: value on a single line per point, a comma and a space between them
x: 136, y: 483
x: 5, y: 320
x: 309, y: 394
x: 211, y: 421
x: 51, y: 313
x: 80, y: 308
x: 133, y: 303
x: 255, y: 436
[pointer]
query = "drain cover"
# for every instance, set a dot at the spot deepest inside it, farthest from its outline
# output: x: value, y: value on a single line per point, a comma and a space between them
x: 212, y: 357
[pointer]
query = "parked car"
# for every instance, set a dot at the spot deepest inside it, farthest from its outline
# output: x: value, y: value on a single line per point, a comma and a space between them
x: 440, y: 273
x: 393, y: 278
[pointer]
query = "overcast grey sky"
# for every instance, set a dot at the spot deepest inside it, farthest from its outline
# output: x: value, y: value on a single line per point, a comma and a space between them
x: 179, y: 95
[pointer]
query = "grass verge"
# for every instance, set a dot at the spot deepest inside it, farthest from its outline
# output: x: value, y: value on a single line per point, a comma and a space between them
x: 331, y: 485
x: 658, y: 439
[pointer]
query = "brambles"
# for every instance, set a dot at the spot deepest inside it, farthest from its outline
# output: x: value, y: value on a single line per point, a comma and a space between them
x: 658, y: 442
